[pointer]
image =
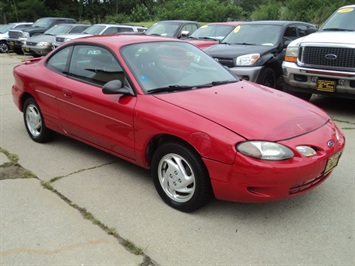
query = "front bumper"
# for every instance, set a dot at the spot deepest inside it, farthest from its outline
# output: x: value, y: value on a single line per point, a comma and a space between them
x: 36, y: 50
x: 318, y: 81
x: 15, y: 43
x: 246, y: 73
x: 252, y: 180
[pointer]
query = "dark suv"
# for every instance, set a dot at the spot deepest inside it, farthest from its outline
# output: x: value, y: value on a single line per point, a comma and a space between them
x: 18, y: 37
x: 255, y: 50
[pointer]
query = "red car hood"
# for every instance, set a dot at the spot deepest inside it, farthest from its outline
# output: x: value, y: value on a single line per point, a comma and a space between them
x: 202, y: 44
x: 252, y: 111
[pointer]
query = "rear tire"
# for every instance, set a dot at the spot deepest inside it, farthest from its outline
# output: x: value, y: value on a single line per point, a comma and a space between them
x: 180, y: 177
x: 34, y: 122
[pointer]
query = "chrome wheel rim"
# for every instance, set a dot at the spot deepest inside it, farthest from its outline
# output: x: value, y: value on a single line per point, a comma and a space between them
x: 3, y: 48
x: 176, y: 177
x: 33, y: 120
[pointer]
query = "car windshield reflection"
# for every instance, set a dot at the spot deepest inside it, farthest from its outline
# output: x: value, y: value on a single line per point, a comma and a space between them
x: 173, y: 66
x: 254, y: 34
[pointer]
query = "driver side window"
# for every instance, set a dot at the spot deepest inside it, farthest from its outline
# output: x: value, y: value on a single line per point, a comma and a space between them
x: 95, y: 65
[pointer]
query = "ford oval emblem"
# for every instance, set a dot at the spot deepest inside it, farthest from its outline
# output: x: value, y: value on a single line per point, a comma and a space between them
x: 330, y: 143
x: 331, y: 56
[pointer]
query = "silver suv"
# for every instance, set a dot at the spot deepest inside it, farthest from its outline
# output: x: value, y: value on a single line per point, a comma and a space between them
x: 98, y: 29
x: 323, y: 62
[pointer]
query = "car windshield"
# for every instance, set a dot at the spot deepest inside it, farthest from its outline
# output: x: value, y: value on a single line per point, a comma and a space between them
x: 58, y: 29
x: 217, y: 32
x: 42, y: 23
x: 94, y: 29
x: 167, y: 29
x: 162, y: 67
x: 342, y: 20
x: 254, y: 34
x: 6, y: 28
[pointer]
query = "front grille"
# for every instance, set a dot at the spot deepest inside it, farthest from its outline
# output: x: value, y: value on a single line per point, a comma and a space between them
x: 300, y: 187
x: 328, y: 57
x: 15, y: 34
x: 228, y: 62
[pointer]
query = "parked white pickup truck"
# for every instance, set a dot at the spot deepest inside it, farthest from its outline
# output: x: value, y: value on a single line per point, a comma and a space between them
x: 323, y: 62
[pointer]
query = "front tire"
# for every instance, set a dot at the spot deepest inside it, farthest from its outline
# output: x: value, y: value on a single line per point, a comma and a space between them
x: 267, y: 77
x: 180, y: 177
x: 34, y: 122
x: 4, y: 48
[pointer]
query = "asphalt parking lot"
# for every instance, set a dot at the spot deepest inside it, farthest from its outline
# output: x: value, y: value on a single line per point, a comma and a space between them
x: 81, y: 206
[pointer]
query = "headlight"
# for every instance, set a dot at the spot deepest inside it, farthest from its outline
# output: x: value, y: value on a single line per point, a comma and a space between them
x: 306, y: 150
x: 44, y: 44
x: 292, y: 50
x: 247, y: 60
x: 265, y: 150
x: 291, y: 54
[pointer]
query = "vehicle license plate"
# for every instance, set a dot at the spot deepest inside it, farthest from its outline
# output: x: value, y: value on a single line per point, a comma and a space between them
x: 332, y: 162
x: 326, y: 85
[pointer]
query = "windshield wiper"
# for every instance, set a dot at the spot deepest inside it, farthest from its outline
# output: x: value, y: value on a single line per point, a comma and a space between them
x: 336, y: 29
x: 172, y: 88
x: 243, y: 43
x: 207, y: 38
x: 221, y: 82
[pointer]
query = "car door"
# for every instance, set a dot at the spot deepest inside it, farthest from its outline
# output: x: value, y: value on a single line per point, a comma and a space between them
x: 85, y: 112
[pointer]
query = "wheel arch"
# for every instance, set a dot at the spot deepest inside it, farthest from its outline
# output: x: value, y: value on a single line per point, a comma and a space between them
x: 23, y: 99
x: 158, y: 140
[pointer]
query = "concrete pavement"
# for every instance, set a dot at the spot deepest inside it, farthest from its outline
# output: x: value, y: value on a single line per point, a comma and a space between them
x: 39, y: 227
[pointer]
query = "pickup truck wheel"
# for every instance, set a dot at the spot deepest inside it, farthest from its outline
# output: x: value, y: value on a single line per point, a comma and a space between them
x: 267, y: 77
x: 3, y: 47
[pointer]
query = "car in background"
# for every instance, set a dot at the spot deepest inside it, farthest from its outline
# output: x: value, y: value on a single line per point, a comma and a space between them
x: 167, y: 106
x: 173, y: 28
x: 18, y: 37
x: 98, y: 29
x: 324, y: 62
x: 211, y: 34
x: 255, y: 50
x: 4, y: 33
x: 42, y: 44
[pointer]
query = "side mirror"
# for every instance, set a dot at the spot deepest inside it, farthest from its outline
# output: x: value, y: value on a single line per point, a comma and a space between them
x: 115, y: 87
x: 185, y: 33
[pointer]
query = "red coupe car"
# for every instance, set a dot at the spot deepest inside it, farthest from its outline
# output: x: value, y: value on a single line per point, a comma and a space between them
x: 164, y: 104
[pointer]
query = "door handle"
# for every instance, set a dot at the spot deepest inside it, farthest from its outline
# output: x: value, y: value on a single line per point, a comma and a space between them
x: 67, y: 94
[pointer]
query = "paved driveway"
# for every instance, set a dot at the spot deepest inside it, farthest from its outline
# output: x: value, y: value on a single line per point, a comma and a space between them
x: 316, y: 228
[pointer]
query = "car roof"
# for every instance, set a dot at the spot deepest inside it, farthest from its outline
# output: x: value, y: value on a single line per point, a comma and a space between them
x: 121, y: 39
x: 57, y: 18
x: 116, y: 25
x: 232, y: 23
x: 177, y: 20
x: 276, y: 22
